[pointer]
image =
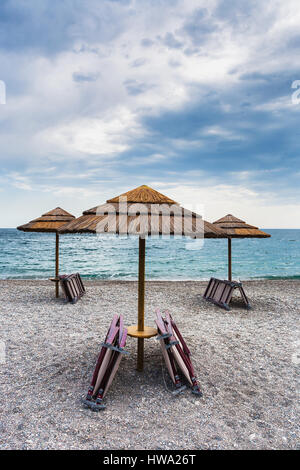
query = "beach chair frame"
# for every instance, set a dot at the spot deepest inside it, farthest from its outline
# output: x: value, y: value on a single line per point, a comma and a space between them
x: 107, y: 364
x: 182, y: 355
x: 72, y: 287
x: 165, y: 338
x: 220, y: 292
x: 179, y: 354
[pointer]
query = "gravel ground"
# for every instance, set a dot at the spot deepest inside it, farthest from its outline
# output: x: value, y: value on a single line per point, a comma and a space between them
x: 246, y: 361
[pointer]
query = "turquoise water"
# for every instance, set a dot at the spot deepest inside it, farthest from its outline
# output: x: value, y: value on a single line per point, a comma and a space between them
x: 31, y: 256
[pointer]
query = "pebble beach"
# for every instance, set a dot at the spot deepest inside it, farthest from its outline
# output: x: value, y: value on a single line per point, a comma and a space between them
x: 247, y: 363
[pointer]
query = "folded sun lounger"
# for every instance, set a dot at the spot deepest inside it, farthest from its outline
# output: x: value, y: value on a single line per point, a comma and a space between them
x: 72, y: 287
x: 220, y: 292
x: 164, y: 339
x: 107, y: 364
x: 176, y: 353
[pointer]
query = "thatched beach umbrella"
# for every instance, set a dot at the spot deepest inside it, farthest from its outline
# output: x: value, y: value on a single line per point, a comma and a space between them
x: 237, y: 228
x: 50, y: 222
x: 143, y: 212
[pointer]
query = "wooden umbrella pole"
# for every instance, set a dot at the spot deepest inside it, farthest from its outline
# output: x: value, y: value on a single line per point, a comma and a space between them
x: 229, y: 260
x: 141, y: 302
x: 57, y: 265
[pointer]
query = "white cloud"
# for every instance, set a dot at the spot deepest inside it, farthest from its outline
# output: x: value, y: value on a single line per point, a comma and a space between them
x: 83, y: 116
x: 19, y: 181
x: 92, y: 136
x: 87, y: 101
x: 247, y: 204
x: 219, y: 131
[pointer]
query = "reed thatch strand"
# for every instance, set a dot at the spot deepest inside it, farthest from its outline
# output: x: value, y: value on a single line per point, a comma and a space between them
x: 49, y: 222
x: 237, y: 228
x: 144, y: 194
x: 147, y: 212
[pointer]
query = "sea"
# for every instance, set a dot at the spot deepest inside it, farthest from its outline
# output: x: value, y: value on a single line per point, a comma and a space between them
x: 32, y: 256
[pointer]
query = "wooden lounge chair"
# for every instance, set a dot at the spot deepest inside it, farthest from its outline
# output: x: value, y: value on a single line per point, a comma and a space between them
x: 178, y: 352
x: 72, y: 287
x: 220, y: 292
x: 107, y: 364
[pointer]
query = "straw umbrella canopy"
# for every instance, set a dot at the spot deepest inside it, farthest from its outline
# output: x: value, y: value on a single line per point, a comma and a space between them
x: 237, y: 228
x: 142, y: 212
x: 50, y: 222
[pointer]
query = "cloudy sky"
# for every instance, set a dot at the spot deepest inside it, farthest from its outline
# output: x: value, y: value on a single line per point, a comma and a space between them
x: 191, y: 97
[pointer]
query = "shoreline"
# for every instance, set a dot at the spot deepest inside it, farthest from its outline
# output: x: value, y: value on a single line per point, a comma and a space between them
x: 89, y: 279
